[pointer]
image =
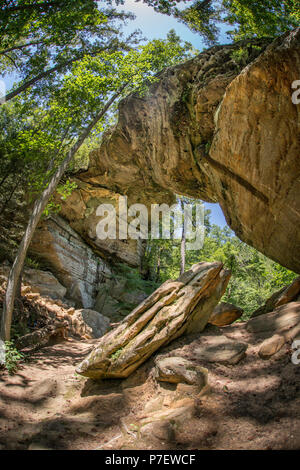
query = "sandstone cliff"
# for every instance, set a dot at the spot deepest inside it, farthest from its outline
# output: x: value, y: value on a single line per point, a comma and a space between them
x: 243, y: 154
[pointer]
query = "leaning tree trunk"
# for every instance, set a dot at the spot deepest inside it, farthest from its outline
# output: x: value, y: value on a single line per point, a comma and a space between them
x: 38, y: 209
x: 39, y: 77
x: 182, y: 243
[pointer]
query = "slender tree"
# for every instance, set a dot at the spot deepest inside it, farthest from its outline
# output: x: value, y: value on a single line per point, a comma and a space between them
x: 133, y: 70
x: 38, y: 209
x: 183, y: 240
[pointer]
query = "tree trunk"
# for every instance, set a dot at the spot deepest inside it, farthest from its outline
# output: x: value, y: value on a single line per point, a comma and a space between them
x: 182, y: 244
x: 158, y: 265
x: 38, y: 209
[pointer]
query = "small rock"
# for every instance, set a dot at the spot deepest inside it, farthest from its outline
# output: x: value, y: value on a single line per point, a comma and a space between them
x: 180, y: 370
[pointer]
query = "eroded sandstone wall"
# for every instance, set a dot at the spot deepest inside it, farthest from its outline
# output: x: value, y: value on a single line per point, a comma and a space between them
x: 208, y: 131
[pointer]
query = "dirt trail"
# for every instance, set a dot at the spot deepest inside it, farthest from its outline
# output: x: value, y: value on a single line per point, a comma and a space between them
x: 252, y: 405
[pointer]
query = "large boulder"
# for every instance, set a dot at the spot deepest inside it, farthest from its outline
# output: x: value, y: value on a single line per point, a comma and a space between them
x: 254, y: 157
x: 175, y: 308
x: 224, y: 314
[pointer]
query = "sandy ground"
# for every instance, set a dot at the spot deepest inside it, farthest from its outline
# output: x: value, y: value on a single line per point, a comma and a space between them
x: 252, y: 405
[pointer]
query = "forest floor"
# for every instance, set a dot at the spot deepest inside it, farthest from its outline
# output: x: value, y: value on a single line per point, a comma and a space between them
x: 252, y: 405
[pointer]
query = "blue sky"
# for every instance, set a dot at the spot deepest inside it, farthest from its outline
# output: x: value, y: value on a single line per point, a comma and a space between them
x: 155, y: 25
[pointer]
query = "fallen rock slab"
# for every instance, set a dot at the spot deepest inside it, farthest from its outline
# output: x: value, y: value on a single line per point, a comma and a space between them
x: 220, y: 349
x: 180, y: 370
x: 175, y: 308
x: 225, y: 314
x: 285, y: 318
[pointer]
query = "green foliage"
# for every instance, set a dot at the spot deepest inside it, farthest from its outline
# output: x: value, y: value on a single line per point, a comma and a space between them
x: 134, y: 281
x: 32, y: 263
x: 254, y: 276
x: 267, y: 18
x: 12, y: 357
x: 240, y: 56
x: 82, y: 157
x: 63, y: 191
x: 41, y: 125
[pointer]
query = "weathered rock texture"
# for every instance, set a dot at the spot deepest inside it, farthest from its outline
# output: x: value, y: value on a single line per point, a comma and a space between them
x: 224, y: 314
x: 271, y: 346
x: 245, y: 156
x: 281, y: 297
x: 116, y: 298
x: 177, y: 307
x: 40, y: 319
x: 255, y: 153
x: 74, y: 264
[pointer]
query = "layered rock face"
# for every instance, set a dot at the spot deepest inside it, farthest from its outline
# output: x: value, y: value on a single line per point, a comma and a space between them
x: 243, y: 154
x: 175, y: 308
x: 74, y: 264
x: 80, y: 210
